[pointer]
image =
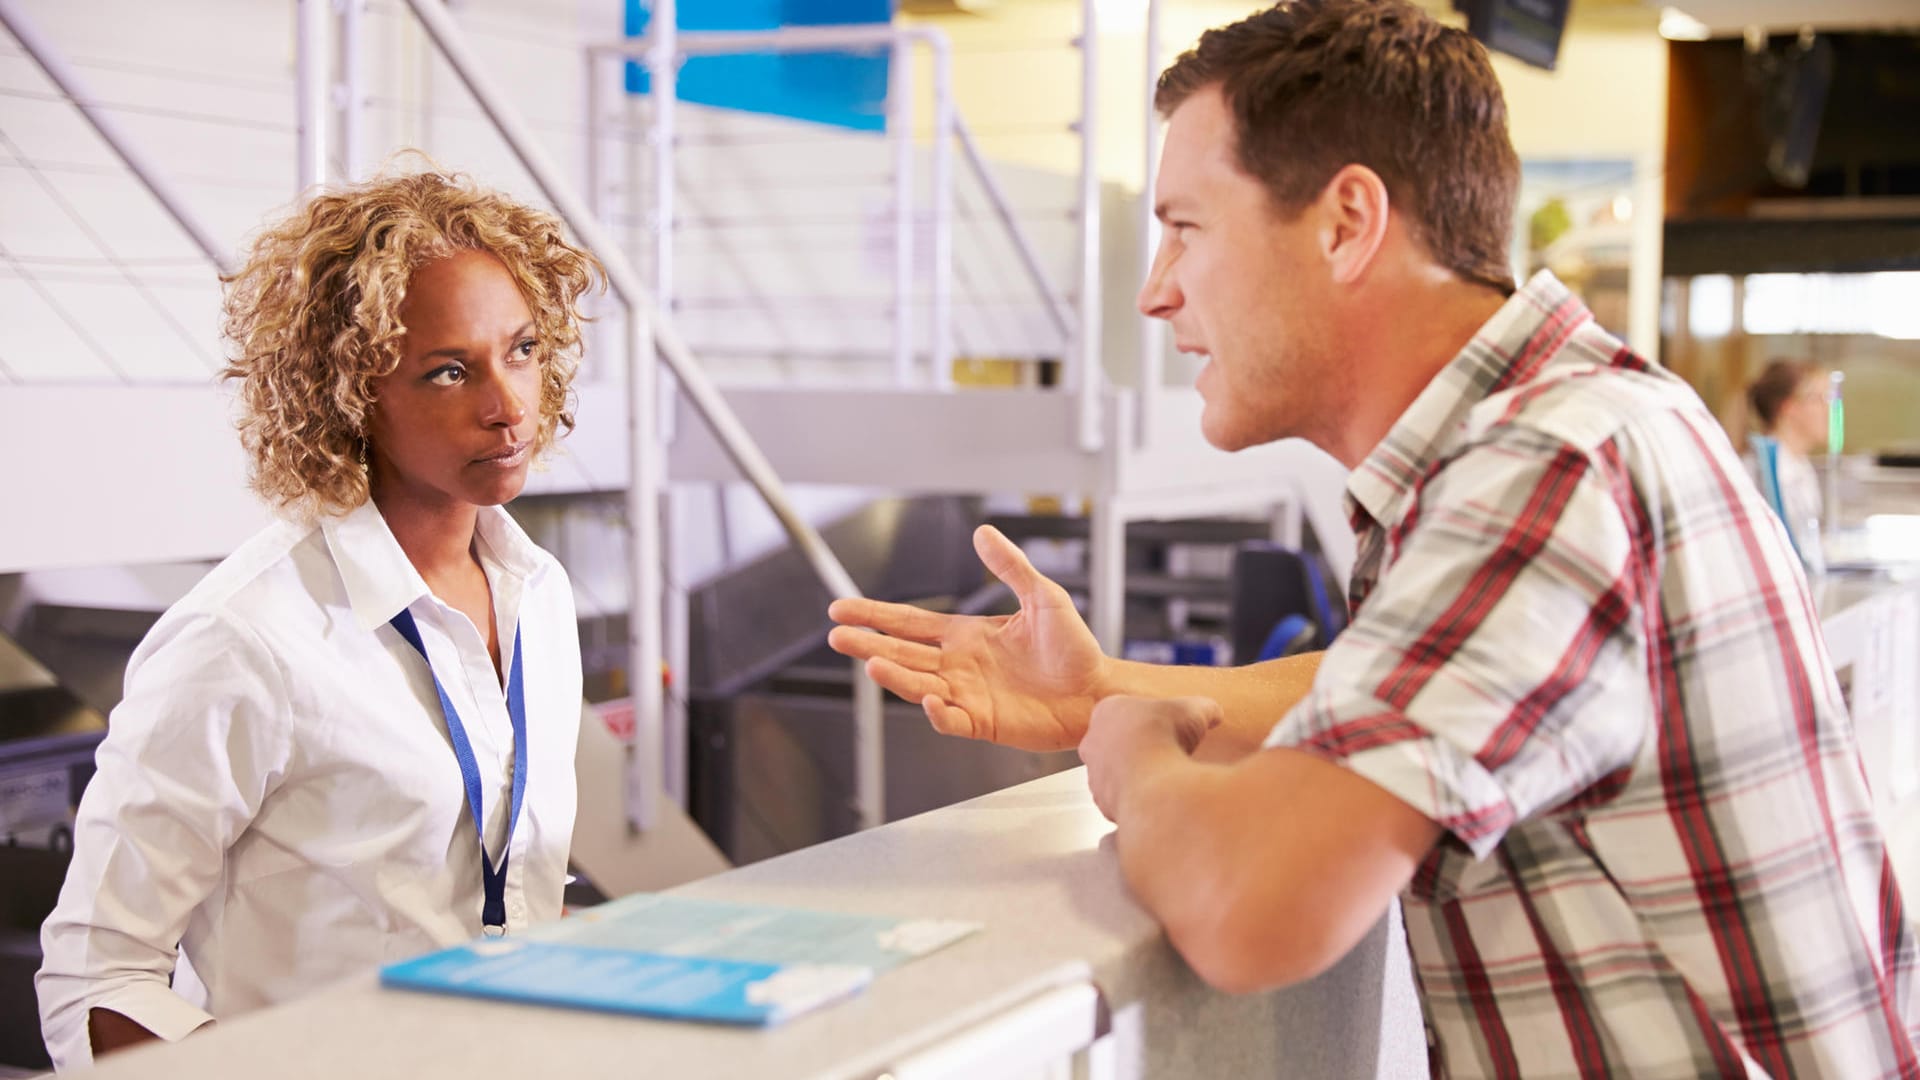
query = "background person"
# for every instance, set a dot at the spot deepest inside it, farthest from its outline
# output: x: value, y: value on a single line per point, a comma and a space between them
x: 1790, y: 404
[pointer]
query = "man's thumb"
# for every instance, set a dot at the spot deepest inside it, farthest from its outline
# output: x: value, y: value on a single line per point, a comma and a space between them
x: 1006, y: 561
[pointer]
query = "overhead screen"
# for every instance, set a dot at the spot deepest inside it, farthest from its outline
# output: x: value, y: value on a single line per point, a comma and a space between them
x: 1527, y: 30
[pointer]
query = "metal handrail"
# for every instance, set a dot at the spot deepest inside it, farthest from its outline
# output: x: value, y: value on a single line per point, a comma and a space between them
x: 1022, y: 244
x: 70, y: 83
x: 660, y: 61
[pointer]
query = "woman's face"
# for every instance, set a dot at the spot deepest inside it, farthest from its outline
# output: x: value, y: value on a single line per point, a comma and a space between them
x: 1802, y: 423
x: 455, y: 422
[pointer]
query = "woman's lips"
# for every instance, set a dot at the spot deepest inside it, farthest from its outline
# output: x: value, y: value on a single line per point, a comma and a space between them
x: 507, y: 457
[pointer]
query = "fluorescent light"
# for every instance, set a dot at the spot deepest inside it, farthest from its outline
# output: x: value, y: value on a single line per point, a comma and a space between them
x: 1677, y: 25
x: 1886, y: 304
x: 1710, y: 308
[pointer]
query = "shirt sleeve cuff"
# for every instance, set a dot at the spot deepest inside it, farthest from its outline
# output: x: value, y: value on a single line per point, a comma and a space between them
x: 156, y: 1008
x: 1432, y: 776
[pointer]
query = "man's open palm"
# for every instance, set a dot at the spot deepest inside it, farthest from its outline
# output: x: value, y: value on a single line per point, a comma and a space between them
x: 1028, y: 680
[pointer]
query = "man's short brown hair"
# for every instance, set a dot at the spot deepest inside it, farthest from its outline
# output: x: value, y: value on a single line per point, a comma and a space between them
x: 1316, y: 85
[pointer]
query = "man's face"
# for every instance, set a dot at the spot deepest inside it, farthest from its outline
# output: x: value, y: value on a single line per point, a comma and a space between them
x: 1241, y: 286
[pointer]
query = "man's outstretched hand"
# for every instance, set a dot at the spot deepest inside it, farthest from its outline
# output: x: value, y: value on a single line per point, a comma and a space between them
x: 1028, y: 680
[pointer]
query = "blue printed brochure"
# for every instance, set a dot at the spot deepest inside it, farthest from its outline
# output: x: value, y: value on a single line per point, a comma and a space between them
x: 682, y: 958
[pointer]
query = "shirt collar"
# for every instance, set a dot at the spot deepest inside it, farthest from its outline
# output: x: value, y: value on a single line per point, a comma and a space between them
x: 1505, y: 352
x: 510, y: 544
x: 381, y: 581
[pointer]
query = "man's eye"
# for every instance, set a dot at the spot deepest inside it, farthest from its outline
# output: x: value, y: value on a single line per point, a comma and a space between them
x: 447, y: 376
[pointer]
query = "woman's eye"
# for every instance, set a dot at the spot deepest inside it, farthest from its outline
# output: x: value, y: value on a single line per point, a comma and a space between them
x: 525, y: 349
x: 447, y: 376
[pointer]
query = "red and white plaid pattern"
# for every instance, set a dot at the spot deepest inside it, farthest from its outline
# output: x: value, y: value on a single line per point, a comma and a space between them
x: 1583, y: 646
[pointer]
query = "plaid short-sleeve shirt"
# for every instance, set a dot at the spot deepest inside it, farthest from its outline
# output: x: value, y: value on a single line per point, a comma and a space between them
x: 1583, y: 646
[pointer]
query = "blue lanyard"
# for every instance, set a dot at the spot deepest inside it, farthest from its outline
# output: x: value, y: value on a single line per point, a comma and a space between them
x: 493, y: 915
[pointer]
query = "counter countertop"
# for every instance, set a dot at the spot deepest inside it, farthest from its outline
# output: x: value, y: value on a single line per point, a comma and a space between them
x: 1034, y: 863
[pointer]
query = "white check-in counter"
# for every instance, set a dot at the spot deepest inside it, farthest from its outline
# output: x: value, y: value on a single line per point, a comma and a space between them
x: 1872, y: 629
x: 1068, y: 978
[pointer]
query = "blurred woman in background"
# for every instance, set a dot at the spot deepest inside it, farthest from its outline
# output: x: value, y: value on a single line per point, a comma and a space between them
x: 1790, y: 407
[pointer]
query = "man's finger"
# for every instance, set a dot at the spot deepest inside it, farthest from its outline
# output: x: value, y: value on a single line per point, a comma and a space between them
x: 911, y: 685
x: 862, y: 645
x: 899, y: 620
x: 1196, y: 717
x: 1007, y: 562
x: 948, y: 719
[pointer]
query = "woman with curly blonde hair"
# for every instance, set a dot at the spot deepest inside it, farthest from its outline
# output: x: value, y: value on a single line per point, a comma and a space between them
x: 353, y: 741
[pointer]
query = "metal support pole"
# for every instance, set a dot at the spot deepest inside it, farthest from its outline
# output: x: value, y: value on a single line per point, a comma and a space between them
x: 351, y: 92
x: 869, y: 750
x: 594, y: 168
x: 1108, y: 515
x: 1107, y: 572
x: 1153, y: 332
x: 644, y: 651
x: 663, y: 73
x: 900, y: 123
x: 596, y: 197
x: 1086, y: 374
x: 63, y: 76
x: 677, y: 632
x: 663, y: 79
x: 310, y: 91
x: 940, y: 348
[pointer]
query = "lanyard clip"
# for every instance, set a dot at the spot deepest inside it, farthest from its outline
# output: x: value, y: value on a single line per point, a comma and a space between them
x: 493, y: 931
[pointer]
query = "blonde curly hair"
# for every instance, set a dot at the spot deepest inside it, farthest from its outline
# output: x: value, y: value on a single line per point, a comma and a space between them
x: 314, y: 320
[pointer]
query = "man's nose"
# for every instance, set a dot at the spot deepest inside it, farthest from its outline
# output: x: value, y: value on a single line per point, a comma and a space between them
x: 1159, y: 298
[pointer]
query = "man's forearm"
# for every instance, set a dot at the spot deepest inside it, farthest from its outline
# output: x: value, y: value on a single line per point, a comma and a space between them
x: 1192, y: 862
x: 1253, y: 698
x: 1267, y: 871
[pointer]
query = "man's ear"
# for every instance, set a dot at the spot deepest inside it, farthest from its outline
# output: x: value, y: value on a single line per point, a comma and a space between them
x: 1353, y: 221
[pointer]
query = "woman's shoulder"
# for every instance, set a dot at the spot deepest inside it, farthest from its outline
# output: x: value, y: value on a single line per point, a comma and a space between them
x: 264, y: 575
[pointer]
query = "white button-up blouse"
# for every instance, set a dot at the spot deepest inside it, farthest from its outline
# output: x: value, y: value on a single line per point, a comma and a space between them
x: 277, y: 794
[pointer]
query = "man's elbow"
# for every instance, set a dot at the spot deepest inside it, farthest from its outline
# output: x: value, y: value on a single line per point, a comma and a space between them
x: 1238, y: 949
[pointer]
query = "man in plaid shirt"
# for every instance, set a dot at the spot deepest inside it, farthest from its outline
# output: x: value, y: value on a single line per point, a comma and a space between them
x: 1582, y: 722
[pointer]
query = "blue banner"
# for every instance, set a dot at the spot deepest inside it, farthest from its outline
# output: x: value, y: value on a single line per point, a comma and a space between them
x: 842, y: 88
